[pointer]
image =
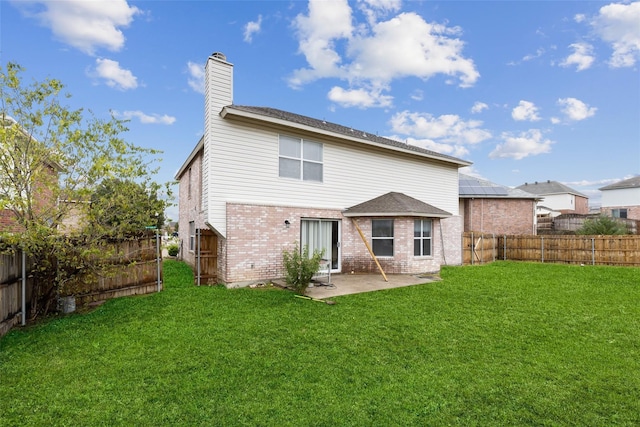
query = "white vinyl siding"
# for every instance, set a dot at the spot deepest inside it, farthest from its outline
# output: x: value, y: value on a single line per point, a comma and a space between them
x: 244, y: 169
x: 621, y: 197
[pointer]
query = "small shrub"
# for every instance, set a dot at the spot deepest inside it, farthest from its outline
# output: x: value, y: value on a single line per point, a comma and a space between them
x: 603, y: 225
x: 300, y: 267
x: 173, y: 249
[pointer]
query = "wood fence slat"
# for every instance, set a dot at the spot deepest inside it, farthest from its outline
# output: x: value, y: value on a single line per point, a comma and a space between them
x: 569, y: 249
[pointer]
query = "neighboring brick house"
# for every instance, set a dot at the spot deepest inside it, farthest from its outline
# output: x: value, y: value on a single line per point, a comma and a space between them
x: 557, y: 197
x: 262, y: 179
x: 622, y: 199
x: 43, y: 188
x: 487, y: 207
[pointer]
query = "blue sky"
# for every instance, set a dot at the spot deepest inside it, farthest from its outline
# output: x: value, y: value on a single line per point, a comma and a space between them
x: 527, y: 91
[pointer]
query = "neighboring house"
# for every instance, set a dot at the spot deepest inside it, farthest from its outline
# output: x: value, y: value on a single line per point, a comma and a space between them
x: 487, y: 207
x: 622, y: 199
x: 262, y: 179
x: 42, y: 188
x: 557, y: 197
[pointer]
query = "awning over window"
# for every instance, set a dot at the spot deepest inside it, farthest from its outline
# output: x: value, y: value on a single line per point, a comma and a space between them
x: 395, y: 204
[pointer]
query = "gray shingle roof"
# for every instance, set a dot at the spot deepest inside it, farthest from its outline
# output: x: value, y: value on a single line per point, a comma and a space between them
x: 547, y: 188
x: 395, y: 204
x: 470, y: 186
x: 625, y: 183
x: 339, y: 129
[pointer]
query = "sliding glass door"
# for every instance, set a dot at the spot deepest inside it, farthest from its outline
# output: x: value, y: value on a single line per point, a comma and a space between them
x: 322, y: 235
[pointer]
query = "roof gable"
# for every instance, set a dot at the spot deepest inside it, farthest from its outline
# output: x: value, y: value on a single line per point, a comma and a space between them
x: 322, y: 126
x: 548, y: 188
x: 626, y: 183
x: 395, y: 204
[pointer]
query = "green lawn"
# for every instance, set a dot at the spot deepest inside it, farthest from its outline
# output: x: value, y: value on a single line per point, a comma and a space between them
x: 501, y: 344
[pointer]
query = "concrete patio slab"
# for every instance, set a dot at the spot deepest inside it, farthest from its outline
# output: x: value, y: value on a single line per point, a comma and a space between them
x: 346, y: 284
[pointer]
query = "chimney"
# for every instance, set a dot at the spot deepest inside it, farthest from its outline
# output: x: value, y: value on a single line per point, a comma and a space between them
x: 218, y: 84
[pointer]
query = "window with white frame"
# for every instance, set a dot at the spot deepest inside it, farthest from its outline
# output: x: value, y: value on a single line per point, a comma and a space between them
x: 192, y: 236
x: 300, y: 159
x: 382, y: 237
x: 619, y: 213
x: 422, y: 237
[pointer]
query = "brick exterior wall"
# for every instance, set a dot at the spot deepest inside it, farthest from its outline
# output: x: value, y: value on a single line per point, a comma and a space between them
x: 190, y: 202
x: 43, y: 199
x: 499, y: 216
x: 582, y: 206
x: 633, y: 212
x: 257, y: 235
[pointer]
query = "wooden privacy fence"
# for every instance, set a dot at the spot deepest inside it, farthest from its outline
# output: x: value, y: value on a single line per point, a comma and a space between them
x: 136, y: 270
x: 479, y: 248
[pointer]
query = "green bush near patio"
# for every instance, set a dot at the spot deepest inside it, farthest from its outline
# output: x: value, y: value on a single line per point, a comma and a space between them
x: 501, y: 344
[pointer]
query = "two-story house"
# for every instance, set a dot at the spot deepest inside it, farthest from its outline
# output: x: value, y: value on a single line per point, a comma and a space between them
x: 557, y: 198
x: 622, y: 199
x: 261, y: 179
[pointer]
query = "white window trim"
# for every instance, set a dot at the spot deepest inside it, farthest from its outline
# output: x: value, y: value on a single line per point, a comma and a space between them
x: 392, y: 238
x: 302, y: 160
x: 421, y: 238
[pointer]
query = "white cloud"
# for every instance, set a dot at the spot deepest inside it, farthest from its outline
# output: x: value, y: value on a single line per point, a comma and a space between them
x: 525, y: 111
x: 85, y: 25
x: 579, y: 18
x: 538, y: 54
x: 479, y: 107
x: 115, y: 76
x: 530, y: 143
x: 417, y: 95
x: 196, y: 76
x: 251, y: 28
x: 617, y: 24
x: 555, y: 120
x: 442, y: 148
x: 582, y: 56
x: 575, y: 109
x: 146, y: 118
x: 361, y: 98
x: 449, y: 128
x: 373, y: 54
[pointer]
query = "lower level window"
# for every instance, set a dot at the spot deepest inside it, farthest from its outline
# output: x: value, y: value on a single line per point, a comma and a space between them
x: 422, y: 237
x: 619, y: 213
x: 382, y: 237
x: 192, y: 236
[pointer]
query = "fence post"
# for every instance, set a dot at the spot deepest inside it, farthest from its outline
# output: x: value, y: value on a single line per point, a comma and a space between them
x: 504, y: 244
x: 593, y: 251
x: 542, y: 247
x: 158, y: 257
x: 472, y: 243
x: 198, y: 254
x: 494, y: 249
x: 24, y: 288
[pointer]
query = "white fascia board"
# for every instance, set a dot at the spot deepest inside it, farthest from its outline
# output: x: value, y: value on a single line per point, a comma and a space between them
x: 187, y: 162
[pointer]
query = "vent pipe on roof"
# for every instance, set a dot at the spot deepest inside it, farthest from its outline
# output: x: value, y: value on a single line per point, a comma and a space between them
x: 219, y: 55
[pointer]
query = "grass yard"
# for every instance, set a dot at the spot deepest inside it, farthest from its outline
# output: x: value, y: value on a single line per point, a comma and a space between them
x: 500, y: 344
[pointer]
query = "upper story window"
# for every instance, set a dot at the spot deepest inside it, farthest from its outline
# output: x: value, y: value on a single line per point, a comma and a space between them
x: 382, y: 237
x: 300, y: 159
